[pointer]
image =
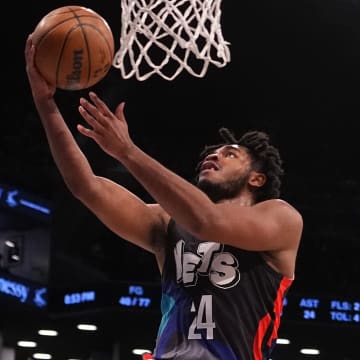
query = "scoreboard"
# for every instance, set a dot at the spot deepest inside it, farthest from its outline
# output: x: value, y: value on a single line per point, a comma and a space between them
x: 17, y: 200
x: 138, y: 296
x: 119, y: 295
x: 328, y: 309
x: 145, y: 296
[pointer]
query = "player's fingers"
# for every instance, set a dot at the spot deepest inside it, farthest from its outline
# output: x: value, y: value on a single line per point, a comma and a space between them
x: 90, y: 133
x: 100, y: 105
x: 119, y: 112
x: 91, y: 113
x: 90, y: 119
x: 29, y: 53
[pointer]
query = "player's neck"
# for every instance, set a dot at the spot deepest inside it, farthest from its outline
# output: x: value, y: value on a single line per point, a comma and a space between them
x: 245, y: 198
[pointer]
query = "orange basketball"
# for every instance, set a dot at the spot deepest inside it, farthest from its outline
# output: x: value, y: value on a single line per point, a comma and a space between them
x: 74, y: 47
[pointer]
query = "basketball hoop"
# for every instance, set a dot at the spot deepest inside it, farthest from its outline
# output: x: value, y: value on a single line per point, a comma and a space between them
x: 165, y: 37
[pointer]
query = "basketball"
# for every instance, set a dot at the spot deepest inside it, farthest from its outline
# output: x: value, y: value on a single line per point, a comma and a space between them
x: 74, y: 47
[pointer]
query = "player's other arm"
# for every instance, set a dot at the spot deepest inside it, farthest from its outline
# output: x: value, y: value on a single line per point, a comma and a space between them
x: 119, y: 209
x: 124, y: 213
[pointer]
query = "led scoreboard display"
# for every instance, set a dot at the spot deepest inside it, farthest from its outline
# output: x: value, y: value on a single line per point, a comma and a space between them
x: 145, y: 296
x: 14, y: 198
x: 322, y: 309
x: 120, y: 295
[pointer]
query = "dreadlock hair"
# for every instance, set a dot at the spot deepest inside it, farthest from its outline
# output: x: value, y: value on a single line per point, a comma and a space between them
x: 265, y: 159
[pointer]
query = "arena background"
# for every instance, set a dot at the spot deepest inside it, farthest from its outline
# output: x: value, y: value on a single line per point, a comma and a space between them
x: 294, y: 72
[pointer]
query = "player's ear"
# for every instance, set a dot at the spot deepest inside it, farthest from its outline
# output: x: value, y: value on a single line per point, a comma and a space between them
x: 257, y: 179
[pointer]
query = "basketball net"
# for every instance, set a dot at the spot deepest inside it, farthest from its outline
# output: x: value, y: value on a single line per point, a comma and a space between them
x: 165, y: 37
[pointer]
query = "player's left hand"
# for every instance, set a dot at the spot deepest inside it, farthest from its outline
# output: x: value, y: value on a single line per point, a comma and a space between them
x: 108, y: 129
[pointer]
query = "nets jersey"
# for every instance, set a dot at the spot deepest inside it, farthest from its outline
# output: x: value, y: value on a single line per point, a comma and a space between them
x: 218, y: 302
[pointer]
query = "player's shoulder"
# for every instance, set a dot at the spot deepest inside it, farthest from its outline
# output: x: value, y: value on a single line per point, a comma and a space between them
x: 276, y: 203
x: 288, y: 218
x: 282, y: 206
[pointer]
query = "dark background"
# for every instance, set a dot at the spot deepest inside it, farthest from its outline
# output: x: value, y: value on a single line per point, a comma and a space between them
x: 294, y: 72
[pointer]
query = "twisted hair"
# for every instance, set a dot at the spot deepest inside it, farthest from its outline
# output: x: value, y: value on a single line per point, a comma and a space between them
x: 265, y: 159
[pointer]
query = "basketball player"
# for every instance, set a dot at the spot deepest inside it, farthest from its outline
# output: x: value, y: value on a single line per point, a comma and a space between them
x: 226, y: 248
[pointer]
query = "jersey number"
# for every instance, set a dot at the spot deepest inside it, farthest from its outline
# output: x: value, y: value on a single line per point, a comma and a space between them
x: 203, y: 319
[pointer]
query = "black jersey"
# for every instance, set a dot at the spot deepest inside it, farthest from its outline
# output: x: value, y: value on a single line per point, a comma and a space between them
x: 218, y: 302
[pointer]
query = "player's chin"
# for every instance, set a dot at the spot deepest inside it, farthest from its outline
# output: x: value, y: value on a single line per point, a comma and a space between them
x: 202, y: 177
x: 204, y: 181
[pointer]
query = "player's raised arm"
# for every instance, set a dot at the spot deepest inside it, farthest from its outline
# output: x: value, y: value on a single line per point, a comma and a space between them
x: 113, y: 204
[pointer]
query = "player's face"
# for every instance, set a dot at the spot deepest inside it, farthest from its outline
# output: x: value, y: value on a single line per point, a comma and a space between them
x: 225, y: 172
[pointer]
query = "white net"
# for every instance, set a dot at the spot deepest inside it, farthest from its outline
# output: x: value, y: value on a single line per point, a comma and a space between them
x: 165, y: 37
